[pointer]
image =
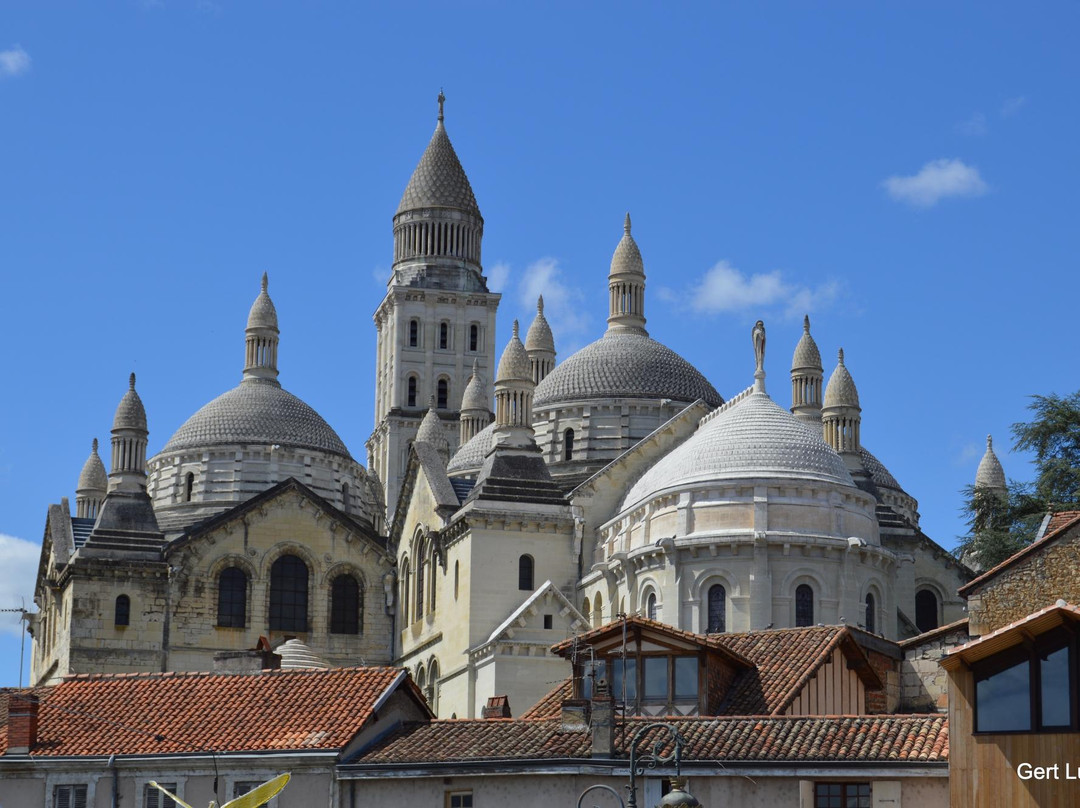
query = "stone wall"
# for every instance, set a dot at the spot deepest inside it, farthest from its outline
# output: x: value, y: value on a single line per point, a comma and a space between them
x: 924, y: 685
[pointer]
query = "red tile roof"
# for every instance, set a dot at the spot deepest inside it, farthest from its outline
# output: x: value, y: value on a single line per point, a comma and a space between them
x: 866, y: 739
x: 1058, y: 520
x: 933, y: 633
x: 550, y: 706
x: 146, y: 714
x: 1068, y: 521
x: 1015, y: 633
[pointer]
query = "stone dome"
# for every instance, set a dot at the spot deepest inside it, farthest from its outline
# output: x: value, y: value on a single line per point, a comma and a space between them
x: 752, y: 437
x: 263, y: 314
x: 514, y: 363
x: 990, y: 473
x: 470, y: 457
x: 257, y: 411
x: 807, y: 354
x: 627, y: 255
x: 540, y: 337
x: 93, y: 476
x: 431, y: 430
x: 296, y: 655
x: 880, y: 475
x: 475, y: 396
x: 439, y: 181
x: 130, y: 412
x: 625, y: 365
x: 840, y: 391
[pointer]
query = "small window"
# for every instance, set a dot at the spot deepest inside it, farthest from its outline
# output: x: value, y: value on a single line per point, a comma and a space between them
x: 345, y: 497
x: 686, y: 678
x: 804, y: 605
x: 630, y: 679
x: 926, y: 610
x: 443, y: 397
x: 525, y: 573
x: 459, y: 799
x: 549, y: 622
x: 232, y: 598
x: 411, y: 401
x: 568, y: 444
x: 842, y: 795
x: 655, y: 679
x: 869, y: 621
x: 69, y: 796
x: 345, y: 605
x: 189, y: 488
x: 474, y: 338
x: 288, y: 594
x: 122, y: 616
x: 414, y: 333
x: 1026, y: 689
x: 444, y: 336
x: 152, y: 798
x: 717, y: 609
x: 650, y: 606
x: 457, y: 579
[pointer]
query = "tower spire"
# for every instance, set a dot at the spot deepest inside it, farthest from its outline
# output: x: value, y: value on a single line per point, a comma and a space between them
x: 540, y: 344
x: 261, y: 337
x: 442, y: 100
x: 806, y: 378
x: 626, y: 286
x: 841, y: 415
x: 92, y: 487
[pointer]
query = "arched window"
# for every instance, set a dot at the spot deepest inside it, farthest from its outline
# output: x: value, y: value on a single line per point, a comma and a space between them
x: 345, y: 605
x: 598, y: 610
x: 189, y: 486
x: 568, y: 444
x: 717, y: 609
x: 525, y: 573
x: 444, y: 336
x: 443, y: 396
x: 586, y: 611
x: 474, y: 337
x: 804, y: 605
x: 456, y: 579
x: 414, y: 333
x: 232, y: 598
x: 650, y: 606
x: 288, y: 594
x: 406, y: 581
x: 869, y: 620
x: 432, y: 692
x: 926, y: 610
x: 122, y: 614
x: 411, y: 400
x: 421, y: 573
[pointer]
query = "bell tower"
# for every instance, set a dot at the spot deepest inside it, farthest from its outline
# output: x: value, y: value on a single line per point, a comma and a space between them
x: 437, y: 320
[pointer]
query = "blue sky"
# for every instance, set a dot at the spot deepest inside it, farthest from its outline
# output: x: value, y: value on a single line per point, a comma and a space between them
x: 906, y: 173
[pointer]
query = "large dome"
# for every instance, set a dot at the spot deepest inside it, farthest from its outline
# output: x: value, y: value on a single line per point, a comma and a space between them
x: 754, y: 437
x: 257, y: 411
x: 470, y: 457
x: 625, y: 365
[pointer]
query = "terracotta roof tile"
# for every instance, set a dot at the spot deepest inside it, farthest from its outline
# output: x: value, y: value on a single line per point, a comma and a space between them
x: 550, y: 706
x: 139, y: 714
x: 911, y: 738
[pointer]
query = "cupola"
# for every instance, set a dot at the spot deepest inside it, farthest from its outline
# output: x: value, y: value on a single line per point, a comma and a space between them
x: 261, y: 337
x: 540, y: 344
x: 841, y: 415
x: 626, y: 286
x: 129, y: 435
x: 807, y: 376
x: 92, y: 487
x: 475, y: 412
x: 990, y: 475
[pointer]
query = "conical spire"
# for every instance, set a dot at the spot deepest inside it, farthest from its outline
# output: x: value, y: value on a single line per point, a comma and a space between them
x: 806, y: 378
x: 513, y: 396
x: 431, y: 431
x: 475, y: 414
x: 626, y: 286
x: 92, y: 487
x: 261, y: 338
x: 540, y: 344
x: 990, y: 474
x: 129, y: 435
x: 841, y: 414
x: 439, y: 181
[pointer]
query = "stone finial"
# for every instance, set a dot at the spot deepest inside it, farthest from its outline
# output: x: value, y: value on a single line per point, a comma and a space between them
x: 515, y: 336
x: 94, y: 446
x: 626, y: 224
x: 442, y: 100
x: 131, y: 381
x: 759, y: 356
x: 265, y: 281
x: 806, y: 323
x: 540, y: 304
x: 990, y: 442
x: 840, y: 356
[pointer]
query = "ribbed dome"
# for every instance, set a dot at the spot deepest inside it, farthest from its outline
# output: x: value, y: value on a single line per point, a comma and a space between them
x: 431, y: 430
x: 439, y: 181
x: 990, y: 474
x: 257, y: 411
x: 514, y: 364
x: 807, y: 354
x: 93, y: 476
x: 539, y: 337
x: 475, y: 396
x: 627, y: 256
x: 130, y: 413
x: 881, y: 476
x: 625, y: 365
x: 754, y: 438
x: 470, y: 457
x: 295, y: 654
x: 263, y: 314
x: 841, y: 392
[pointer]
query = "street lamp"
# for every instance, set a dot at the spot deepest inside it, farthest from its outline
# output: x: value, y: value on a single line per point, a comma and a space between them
x: 650, y: 758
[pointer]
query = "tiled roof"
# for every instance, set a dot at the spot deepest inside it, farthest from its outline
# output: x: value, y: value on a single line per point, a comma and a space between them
x: 1058, y: 520
x: 439, y: 181
x: 864, y: 739
x: 1068, y: 520
x: 550, y: 706
x: 940, y: 631
x: 1015, y: 633
x: 171, y: 713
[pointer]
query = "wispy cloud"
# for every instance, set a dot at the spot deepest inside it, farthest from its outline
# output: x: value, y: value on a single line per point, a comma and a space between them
x: 935, y: 181
x: 968, y: 453
x: 563, y: 303
x: 17, y: 575
x: 725, y: 288
x: 14, y: 62
x: 1012, y: 106
x: 498, y: 276
x: 974, y: 126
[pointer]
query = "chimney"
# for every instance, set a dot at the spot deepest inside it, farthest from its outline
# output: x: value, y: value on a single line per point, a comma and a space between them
x: 22, y: 723
x: 603, y: 722
x: 497, y: 707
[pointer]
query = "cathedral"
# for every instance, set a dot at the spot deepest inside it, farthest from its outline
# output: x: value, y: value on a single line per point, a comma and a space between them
x: 509, y: 500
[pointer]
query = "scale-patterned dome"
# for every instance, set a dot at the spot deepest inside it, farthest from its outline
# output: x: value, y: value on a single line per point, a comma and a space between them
x: 257, y: 411
x: 807, y: 354
x: 470, y: 457
x: 93, y: 476
x: 755, y: 437
x: 439, y: 181
x: 625, y: 365
x: 990, y: 474
x: 539, y: 337
x: 130, y: 412
x: 841, y: 391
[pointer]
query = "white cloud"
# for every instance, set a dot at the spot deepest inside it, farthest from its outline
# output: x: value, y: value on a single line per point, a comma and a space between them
x: 563, y: 304
x: 935, y: 181
x: 498, y: 276
x: 1012, y: 106
x: 725, y: 288
x: 17, y: 575
x: 975, y: 125
x: 14, y: 62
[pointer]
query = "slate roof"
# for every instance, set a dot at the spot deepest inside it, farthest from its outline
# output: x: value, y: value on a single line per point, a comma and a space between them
x: 839, y: 739
x: 439, y: 181
x: 625, y: 365
x: 261, y: 412
x: 172, y: 713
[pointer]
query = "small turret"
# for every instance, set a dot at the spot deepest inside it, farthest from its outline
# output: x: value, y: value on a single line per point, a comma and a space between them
x: 540, y: 344
x: 431, y: 431
x: 513, y: 396
x: 807, y: 375
x: 841, y: 414
x: 990, y: 475
x: 129, y: 434
x: 626, y: 286
x: 475, y: 414
x: 92, y: 487
x: 261, y: 338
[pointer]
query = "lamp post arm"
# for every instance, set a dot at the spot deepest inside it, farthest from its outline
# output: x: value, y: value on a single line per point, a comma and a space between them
x: 654, y: 756
x: 601, y: 787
